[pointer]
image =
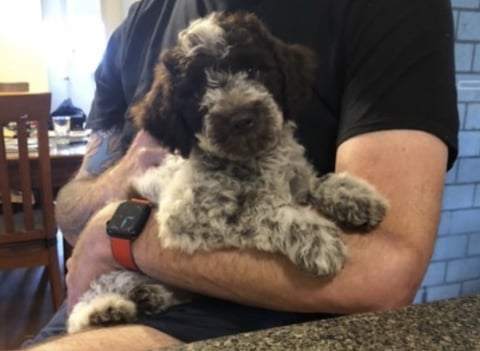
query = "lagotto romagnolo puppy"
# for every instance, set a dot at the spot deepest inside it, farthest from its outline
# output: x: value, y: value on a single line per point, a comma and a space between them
x: 223, y: 100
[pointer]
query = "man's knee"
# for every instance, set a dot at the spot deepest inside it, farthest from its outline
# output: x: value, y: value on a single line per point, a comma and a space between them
x: 152, y: 335
x: 119, y: 338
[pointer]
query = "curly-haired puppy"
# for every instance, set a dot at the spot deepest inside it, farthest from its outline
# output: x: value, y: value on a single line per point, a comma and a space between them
x: 223, y: 101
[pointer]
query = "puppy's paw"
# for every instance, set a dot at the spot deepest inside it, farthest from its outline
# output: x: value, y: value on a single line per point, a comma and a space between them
x: 120, y: 312
x: 318, y: 250
x: 365, y: 209
x: 152, y: 298
x: 352, y: 203
x: 324, y: 261
x: 108, y: 309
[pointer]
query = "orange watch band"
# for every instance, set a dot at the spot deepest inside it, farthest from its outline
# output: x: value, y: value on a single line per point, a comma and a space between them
x: 122, y: 247
x: 122, y: 252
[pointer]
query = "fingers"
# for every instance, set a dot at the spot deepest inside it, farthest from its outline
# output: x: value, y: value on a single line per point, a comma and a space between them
x: 150, y: 158
x: 91, y: 256
x: 144, y: 139
x: 146, y: 151
x: 72, y: 296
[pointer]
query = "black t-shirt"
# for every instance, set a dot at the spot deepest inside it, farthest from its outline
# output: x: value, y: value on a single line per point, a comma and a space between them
x: 381, y: 65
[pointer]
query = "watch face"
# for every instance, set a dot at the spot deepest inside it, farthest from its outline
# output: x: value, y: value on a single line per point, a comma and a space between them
x: 128, y: 220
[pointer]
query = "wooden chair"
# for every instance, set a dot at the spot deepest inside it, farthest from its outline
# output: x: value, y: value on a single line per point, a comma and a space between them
x: 14, y: 87
x: 28, y: 237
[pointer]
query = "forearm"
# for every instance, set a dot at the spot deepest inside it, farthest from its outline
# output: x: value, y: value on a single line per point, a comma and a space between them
x: 92, y: 186
x: 272, y: 281
x: 80, y: 199
x: 105, y: 176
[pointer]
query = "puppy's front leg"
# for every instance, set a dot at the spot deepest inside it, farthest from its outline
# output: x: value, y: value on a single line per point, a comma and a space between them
x: 309, y: 240
x: 350, y: 202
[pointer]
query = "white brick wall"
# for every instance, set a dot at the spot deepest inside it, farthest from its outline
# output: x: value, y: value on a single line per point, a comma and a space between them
x: 472, y: 118
x: 466, y: 4
x: 455, y: 267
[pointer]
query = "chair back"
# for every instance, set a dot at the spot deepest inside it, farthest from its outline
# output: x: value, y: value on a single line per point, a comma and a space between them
x: 24, y: 111
x: 14, y: 86
x: 28, y: 242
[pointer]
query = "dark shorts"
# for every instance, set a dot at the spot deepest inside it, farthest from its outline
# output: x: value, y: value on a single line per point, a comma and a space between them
x: 201, y: 319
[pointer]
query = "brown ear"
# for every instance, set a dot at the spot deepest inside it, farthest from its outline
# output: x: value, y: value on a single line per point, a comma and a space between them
x: 298, y: 65
x: 158, y: 111
x: 154, y: 103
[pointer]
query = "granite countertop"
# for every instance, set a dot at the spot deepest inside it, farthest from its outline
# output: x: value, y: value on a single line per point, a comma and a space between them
x: 447, y: 325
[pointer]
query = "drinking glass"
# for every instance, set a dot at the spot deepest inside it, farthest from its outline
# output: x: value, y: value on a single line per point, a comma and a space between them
x: 61, y: 127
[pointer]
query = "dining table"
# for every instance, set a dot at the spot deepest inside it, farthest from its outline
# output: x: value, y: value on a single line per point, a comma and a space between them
x: 65, y: 162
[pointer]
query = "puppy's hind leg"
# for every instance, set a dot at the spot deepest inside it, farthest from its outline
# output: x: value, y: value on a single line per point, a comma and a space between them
x: 103, y: 310
x: 153, y: 298
x: 349, y: 202
x: 107, y: 301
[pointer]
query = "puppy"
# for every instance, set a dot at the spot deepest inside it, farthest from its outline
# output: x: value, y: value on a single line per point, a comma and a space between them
x: 223, y: 101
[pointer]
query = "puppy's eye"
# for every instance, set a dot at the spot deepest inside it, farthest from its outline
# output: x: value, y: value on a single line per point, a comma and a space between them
x: 253, y: 72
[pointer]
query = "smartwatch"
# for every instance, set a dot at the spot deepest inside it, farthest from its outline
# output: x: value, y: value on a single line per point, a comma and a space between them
x: 124, y: 227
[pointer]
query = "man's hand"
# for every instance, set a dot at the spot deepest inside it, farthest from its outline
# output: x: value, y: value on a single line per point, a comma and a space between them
x: 142, y: 154
x: 91, y: 257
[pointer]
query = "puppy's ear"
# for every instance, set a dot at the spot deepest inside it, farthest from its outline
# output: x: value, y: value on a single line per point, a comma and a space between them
x: 298, y: 66
x: 157, y: 111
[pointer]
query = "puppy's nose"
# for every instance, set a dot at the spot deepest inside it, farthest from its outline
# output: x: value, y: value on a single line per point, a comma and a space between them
x: 242, y: 123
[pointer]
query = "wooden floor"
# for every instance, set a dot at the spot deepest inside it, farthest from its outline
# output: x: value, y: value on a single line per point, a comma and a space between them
x: 25, y: 304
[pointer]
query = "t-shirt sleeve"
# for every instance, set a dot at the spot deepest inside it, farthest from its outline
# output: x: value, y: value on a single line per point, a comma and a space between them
x: 399, y: 69
x: 109, y: 102
x: 108, y: 105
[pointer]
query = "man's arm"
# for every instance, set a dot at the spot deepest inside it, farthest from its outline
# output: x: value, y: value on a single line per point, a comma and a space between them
x: 102, y: 178
x: 384, y: 268
x: 80, y: 198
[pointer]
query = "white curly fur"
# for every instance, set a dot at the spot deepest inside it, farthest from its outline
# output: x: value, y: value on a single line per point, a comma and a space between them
x: 87, y: 314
